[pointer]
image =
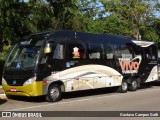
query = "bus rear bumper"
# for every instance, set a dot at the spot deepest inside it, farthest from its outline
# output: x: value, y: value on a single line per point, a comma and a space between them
x: 34, y: 89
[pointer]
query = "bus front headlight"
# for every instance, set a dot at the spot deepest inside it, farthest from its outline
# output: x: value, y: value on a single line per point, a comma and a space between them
x: 4, y: 81
x: 29, y: 81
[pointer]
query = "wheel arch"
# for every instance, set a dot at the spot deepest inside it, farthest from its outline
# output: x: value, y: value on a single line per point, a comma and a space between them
x: 58, y: 82
x: 129, y: 79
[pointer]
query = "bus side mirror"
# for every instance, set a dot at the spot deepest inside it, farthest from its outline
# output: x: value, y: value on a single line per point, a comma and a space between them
x: 47, y: 49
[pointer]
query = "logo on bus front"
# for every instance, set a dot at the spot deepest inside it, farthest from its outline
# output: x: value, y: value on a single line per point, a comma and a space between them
x: 129, y: 65
x: 18, y: 65
x: 14, y: 82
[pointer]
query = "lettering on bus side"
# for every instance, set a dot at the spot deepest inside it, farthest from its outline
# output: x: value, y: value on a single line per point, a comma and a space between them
x: 129, y: 66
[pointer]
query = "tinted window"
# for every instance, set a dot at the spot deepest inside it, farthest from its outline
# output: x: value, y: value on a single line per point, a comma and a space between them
x: 95, y: 50
x: 138, y: 50
x: 151, y: 52
x: 109, y: 53
x: 120, y: 47
x: 59, y: 52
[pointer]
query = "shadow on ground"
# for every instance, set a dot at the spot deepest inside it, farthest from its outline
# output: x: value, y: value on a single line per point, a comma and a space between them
x: 38, y: 99
x: 68, y: 95
x: 84, y: 93
x: 2, y: 101
x: 156, y: 83
x: 92, y: 92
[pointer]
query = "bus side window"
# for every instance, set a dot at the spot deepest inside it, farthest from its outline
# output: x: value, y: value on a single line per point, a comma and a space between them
x: 151, y: 52
x: 76, y: 51
x: 147, y: 53
x: 139, y: 51
x: 59, y: 52
x: 108, y: 51
x: 95, y: 50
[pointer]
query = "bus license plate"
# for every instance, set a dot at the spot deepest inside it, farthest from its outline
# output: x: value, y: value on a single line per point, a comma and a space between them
x: 13, y: 89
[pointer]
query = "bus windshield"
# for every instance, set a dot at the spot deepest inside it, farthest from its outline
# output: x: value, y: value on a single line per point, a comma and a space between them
x: 24, y: 55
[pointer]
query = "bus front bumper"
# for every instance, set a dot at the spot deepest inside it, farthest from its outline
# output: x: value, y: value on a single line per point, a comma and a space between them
x: 34, y: 89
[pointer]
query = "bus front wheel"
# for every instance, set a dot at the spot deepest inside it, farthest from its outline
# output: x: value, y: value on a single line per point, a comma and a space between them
x: 54, y: 93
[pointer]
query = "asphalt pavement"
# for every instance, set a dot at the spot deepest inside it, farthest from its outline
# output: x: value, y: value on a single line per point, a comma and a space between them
x: 93, y: 102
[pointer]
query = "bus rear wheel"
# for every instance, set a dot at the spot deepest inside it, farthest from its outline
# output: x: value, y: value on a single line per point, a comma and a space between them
x: 54, y: 93
x: 133, y: 86
x: 123, y: 88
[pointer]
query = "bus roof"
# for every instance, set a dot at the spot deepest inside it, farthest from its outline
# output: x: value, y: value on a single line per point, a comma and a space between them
x: 83, y: 36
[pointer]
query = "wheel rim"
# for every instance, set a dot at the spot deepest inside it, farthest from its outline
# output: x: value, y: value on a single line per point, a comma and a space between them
x: 124, y: 86
x: 134, y: 84
x: 54, y: 93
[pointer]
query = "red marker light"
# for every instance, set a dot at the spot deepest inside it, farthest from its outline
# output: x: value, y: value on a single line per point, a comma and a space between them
x: 44, y: 82
x: 77, y: 79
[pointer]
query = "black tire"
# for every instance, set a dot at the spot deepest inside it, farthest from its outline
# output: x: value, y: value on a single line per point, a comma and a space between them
x: 10, y: 97
x: 139, y: 85
x: 54, y: 93
x: 133, y: 86
x: 123, y: 88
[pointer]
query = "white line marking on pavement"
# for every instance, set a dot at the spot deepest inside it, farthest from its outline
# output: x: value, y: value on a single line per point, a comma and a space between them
x: 59, y: 103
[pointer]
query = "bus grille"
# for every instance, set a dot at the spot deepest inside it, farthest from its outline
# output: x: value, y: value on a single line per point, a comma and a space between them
x: 17, y: 78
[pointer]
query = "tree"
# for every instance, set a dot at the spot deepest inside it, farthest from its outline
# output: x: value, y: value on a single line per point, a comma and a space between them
x: 63, y: 11
x: 75, y: 15
x: 135, y: 12
x: 115, y: 24
x: 90, y: 16
x: 41, y: 17
x: 13, y: 18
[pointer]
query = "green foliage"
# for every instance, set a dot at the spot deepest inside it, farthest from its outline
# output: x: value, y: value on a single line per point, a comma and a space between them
x: 2, y: 59
x: 132, y: 17
x: 13, y: 17
x: 135, y: 12
x: 40, y: 17
x: 4, y: 53
x: 63, y: 12
x: 150, y: 34
x: 123, y: 17
x: 115, y: 24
